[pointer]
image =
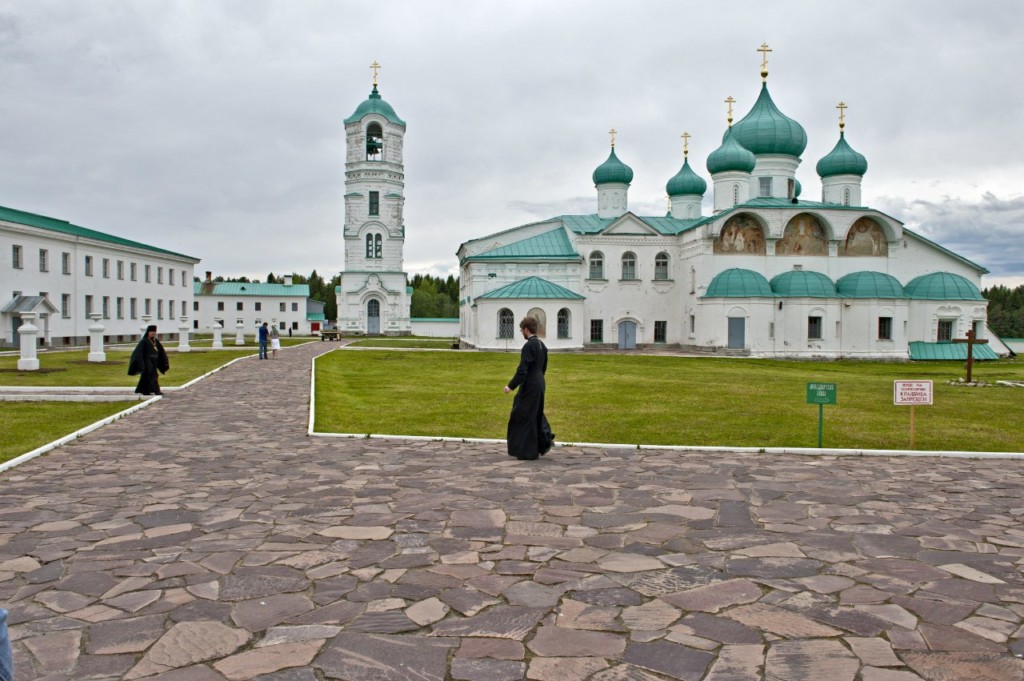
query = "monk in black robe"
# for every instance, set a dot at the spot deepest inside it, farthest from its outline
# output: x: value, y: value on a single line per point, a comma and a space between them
x: 148, y: 358
x: 529, y: 434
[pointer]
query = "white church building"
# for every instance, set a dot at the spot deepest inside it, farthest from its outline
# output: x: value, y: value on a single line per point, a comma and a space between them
x: 766, y: 274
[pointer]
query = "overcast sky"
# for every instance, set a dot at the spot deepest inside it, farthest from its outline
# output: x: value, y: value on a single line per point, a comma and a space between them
x: 214, y: 127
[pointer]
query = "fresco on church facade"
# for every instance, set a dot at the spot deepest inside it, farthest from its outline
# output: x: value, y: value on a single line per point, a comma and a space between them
x: 741, y: 234
x: 804, y: 235
x: 865, y: 238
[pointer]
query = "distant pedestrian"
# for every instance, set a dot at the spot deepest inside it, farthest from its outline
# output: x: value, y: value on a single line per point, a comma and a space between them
x: 275, y: 341
x: 529, y: 434
x: 147, y: 359
x: 264, y: 335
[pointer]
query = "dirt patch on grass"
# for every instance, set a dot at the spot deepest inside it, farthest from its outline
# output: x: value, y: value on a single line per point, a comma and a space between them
x: 40, y: 370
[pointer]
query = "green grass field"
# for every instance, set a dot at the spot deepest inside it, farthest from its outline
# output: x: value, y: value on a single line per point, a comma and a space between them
x: 665, y: 400
x: 406, y: 342
x: 28, y: 425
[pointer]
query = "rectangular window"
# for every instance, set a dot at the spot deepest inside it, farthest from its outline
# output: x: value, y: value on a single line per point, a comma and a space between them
x: 765, y: 185
x: 170, y: 309
x: 295, y: 307
x: 16, y: 257
x: 65, y: 263
x: 596, y: 330
x: 693, y: 323
x: 814, y: 328
x: 149, y: 273
x: 88, y: 265
x: 195, y: 306
x: 660, y: 331
x: 220, y: 306
x: 170, y: 277
x: 258, y: 306
x: 284, y: 326
x: 159, y: 275
x: 284, y: 306
x: 159, y: 309
x: 374, y: 203
x: 133, y: 308
x: 65, y: 305
x: 120, y: 270
x: 295, y: 325
x: 184, y: 278
x: 885, y: 328
x: 238, y: 306
x: 628, y: 269
x: 184, y: 308
x: 771, y: 329
x: 133, y: 271
x: 106, y: 307
x: 106, y: 268
x: 88, y: 306
x: 44, y: 260
x: 147, y: 307
x: 661, y: 269
x: 945, y: 333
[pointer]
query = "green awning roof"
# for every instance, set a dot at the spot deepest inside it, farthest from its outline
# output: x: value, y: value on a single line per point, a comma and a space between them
x: 532, y: 288
x: 553, y: 244
x: 237, y: 288
x: 924, y: 352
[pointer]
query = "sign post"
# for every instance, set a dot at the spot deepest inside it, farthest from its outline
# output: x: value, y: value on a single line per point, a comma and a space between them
x: 912, y: 393
x: 821, y: 394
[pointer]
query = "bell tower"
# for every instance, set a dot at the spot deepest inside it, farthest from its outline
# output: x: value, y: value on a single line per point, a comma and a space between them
x: 373, y: 296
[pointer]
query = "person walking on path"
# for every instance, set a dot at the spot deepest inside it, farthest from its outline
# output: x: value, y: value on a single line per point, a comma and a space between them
x: 148, y: 358
x: 275, y: 342
x: 263, y: 341
x: 529, y: 434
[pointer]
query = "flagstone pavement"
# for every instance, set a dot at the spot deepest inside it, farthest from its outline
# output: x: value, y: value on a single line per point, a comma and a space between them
x: 207, y: 537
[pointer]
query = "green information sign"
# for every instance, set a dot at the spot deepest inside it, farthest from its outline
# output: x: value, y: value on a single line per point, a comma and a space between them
x: 821, y: 393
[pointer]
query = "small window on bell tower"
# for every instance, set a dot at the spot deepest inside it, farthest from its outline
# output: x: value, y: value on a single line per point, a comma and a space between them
x: 374, y: 203
x: 374, y: 143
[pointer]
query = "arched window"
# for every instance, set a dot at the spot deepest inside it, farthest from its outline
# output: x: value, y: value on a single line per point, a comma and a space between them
x: 661, y: 266
x: 369, y: 245
x: 846, y: 196
x: 563, y: 323
x: 374, y: 143
x: 506, y: 323
x: 378, y: 248
x: 597, y: 265
x: 628, y: 265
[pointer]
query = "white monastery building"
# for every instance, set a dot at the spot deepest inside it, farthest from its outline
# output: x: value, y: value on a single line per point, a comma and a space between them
x: 766, y: 274
x: 374, y: 296
x: 63, y: 273
x: 230, y: 304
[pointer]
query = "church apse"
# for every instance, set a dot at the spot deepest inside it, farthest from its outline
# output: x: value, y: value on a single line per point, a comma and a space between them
x: 865, y: 238
x: 741, y: 235
x: 804, y: 235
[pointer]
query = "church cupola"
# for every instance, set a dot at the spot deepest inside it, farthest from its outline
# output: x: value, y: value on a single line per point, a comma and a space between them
x: 842, y: 169
x: 686, y: 188
x: 730, y: 166
x: 612, y: 179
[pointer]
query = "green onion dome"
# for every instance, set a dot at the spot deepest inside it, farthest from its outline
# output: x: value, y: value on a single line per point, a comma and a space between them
x: 842, y: 160
x: 942, y: 286
x: 686, y: 182
x: 730, y: 156
x: 869, y: 285
x: 613, y: 171
x: 374, y: 105
x: 738, y: 283
x: 803, y: 284
x: 797, y: 188
x: 766, y: 130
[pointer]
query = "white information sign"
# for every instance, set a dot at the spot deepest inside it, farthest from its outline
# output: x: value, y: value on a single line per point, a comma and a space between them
x: 912, y: 392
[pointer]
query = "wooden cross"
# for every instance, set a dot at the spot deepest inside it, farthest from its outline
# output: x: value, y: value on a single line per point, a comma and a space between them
x: 764, y: 50
x: 730, y: 101
x: 374, y: 66
x: 971, y: 342
x: 842, y: 114
x: 686, y: 142
x: 612, y: 133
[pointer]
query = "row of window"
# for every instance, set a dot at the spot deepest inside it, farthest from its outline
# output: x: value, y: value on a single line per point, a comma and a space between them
x: 257, y: 306
x: 119, y: 307
x: 18, y: 262
x: 629, y: 266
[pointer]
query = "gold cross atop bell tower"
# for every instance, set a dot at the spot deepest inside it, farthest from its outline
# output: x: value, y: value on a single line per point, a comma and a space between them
x: 612, y: 133
x: 686, y: 143
x: 374, y: 66
x: 730, y: 101
x: 842, y: 115
x: 764, y: 50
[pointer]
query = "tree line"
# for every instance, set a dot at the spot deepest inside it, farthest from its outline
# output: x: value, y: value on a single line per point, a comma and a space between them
x: 1006, y: 311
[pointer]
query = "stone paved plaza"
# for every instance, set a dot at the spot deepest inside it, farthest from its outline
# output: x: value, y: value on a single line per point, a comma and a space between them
x: 206, y: 537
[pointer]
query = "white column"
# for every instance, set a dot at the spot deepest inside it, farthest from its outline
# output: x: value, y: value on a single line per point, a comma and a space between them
x: 183, y: 345
x: 96, y: 330
x: 27, y: 334
x: 239, y: 333
x: 218, y: 330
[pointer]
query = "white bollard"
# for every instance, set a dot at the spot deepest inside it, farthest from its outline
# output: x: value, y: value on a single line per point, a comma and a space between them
x: 218, y: 330
x: 239, y: 333
x: 183, y: 345
x: 96, y: 330
x: 27, y: 334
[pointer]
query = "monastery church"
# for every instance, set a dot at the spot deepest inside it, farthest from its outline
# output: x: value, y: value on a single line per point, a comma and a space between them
x: 767, y: 274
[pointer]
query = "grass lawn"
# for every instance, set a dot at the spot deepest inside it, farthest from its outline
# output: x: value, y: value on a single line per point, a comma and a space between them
x: 229, y: 342
x: 406, y: 342
x: 28, y: 425
x: 664, y: 400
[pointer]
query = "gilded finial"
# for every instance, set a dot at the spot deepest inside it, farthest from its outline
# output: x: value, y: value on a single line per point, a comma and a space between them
x: 612, y: 133
x: 842, y: 115
x: 764, y: 50
x: 686, y: 143
x: 668, y: 203
x: 730, y: 101
x: 374, y: 66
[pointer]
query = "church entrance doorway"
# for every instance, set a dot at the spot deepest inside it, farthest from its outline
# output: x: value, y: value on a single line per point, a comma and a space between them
x: 627, y: 335
x: 737, y: 332
x: 373, y: 317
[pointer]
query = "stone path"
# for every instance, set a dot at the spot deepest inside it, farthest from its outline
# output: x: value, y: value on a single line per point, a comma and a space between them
x: 207, y: 538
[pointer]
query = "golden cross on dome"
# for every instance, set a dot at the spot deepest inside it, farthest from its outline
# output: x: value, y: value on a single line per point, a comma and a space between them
x: 842, y: 114
x: 612, y: 133
x: 374, y: 66
x: 730, y: 101
x: 764, y: 50
x: 686, y: 143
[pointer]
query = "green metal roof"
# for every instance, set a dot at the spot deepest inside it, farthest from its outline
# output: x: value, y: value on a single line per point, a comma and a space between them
x: 766, y: 130
x: 663, y: 224
x: 553, y: 244
x: 730, y: 156
x: 532, y: 288
x: 686, y: 182
x: 374, y: 105
x: 613, y: 171
x: 64, y: 227
x: 803, y: 284
x: 739, y: 283
x: 942, y: 286
x: 315, y: 317
x: 869, y: 285
x: 922, y: 351
x: 842, y: 160
x: 237, y: 288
